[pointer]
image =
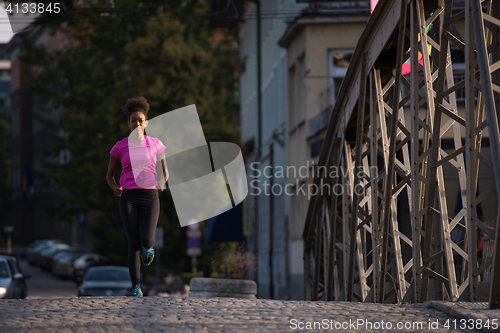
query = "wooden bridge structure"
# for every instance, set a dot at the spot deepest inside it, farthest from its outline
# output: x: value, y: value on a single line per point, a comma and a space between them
x: 385, y: 230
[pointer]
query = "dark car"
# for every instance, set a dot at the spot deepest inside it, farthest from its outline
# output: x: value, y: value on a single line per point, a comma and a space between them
x: 12, y: 279
x: 82, y: 264
x: 106, y: 281
x: 63, y: 263
x: 45, y: 255
x: 73, y: 251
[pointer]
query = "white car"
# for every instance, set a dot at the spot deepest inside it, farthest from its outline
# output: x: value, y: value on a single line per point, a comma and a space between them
x: 82, y: 264
x: 12, y: 279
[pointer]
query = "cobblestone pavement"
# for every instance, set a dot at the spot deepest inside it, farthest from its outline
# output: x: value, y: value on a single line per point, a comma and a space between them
x: 190, y: 314
x: 478, y: 312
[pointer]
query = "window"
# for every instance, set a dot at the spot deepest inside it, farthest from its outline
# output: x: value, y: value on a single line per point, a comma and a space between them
x: 4, y: 271
x: 336, y: 5
x: 14, y: 268
x: 283, y: 82
x: 64, y: 156
x: 303, y: 88
x: 274, y: 99
x: 304, y: 209
x: 17, y: 178
x: 292, y: 117
x: 460, y: 93
x: 338, y: 63
x: 296, y: 217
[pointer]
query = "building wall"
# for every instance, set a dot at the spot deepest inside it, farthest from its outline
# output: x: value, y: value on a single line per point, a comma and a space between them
x: 274, y: 119
x: 30, y: 141
x: 4, y: 80
x: 22, y: 155
x: 308, y: 69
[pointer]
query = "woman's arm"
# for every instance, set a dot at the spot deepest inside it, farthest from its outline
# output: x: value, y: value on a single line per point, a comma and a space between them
x: 164, y: 167
x: 110, y: 176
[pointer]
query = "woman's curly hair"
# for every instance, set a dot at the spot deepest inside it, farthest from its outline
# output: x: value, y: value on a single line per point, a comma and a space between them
x: 135, y: 104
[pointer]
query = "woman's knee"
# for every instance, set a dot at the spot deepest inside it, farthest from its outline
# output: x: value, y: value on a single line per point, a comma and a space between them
x: 147, y: 242
x: 134, y: 246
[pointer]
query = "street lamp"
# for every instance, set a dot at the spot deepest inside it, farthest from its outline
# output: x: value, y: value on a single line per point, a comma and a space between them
x: 8, y: 230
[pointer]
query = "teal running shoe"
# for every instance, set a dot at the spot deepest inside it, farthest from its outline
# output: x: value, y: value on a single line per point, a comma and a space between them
x: 138, y: 291
x: 147, y: 256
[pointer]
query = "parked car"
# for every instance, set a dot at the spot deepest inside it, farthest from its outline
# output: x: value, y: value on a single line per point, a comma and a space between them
x: 45, y: 255
x: 64, y: 265
x: 33, y: 254
x: 107, y: 281
x: 62, y: 254
x: 12, y: 279
x: 82, y: 264
x: 37, y: 246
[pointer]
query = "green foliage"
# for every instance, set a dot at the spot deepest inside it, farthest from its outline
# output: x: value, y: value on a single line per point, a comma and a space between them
x: 181, y: 74
x: 126, y: 56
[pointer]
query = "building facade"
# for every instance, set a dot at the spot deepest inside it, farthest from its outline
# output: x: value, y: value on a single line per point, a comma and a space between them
x: 320, y: 42
x: 4, y: 80
x: 305, y: 51
x: 30, y: 142
x: 266, y: 217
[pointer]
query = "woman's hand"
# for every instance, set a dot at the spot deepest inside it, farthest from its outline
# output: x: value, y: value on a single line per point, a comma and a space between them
x: 118, y: 191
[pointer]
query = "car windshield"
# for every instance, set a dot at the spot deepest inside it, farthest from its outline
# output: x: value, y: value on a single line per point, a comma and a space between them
x: 56, y: 248
x: 41, y: 247
x: 108, y: 275
x: 60, y: 255
x: 4, y: 271
x: 48, y: 250
x: 14, y: 267
x: 71, y: 257
x: 35, y: 244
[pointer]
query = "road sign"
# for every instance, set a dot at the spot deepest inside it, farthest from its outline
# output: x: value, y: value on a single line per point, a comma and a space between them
x: 158, y: 238
x: 194, y: 233
x: 194, y: 252
x: 194, y: 242
x: 82, y: 220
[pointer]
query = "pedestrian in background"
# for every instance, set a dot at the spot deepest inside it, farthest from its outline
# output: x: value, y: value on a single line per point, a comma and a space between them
x: 139, y: 188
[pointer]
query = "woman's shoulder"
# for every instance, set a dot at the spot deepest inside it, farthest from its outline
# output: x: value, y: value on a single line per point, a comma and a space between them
x: 121, y: 143
x: 118, y: 149
x: 153, y: 139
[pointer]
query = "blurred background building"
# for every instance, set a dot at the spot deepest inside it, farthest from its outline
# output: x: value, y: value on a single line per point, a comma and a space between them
x: 30, y: 141
x: 305, y: 48
x: 320, y: 42
x: 4, y: 81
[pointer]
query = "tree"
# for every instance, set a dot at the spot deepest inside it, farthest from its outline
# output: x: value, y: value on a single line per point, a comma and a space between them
x: 111, y: 59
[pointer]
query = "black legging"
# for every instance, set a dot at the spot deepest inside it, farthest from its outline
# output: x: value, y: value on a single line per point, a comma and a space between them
x: 139, y: 207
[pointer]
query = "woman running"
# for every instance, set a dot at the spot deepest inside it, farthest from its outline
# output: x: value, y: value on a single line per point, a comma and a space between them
x: 139, y: 188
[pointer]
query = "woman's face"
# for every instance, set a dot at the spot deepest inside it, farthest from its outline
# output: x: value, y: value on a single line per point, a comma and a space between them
x: 137, y: 119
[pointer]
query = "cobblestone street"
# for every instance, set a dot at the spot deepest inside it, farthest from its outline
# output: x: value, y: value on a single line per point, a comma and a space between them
x: 189, y: 314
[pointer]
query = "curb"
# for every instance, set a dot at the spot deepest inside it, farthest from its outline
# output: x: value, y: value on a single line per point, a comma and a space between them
x: 467, y: 310
x: 213, y: 287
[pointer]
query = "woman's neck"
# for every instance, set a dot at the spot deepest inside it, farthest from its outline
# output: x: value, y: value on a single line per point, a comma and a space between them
x: 136, y: 140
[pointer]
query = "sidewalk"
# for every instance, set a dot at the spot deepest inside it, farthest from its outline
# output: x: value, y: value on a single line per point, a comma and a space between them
x: 191, y: 314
